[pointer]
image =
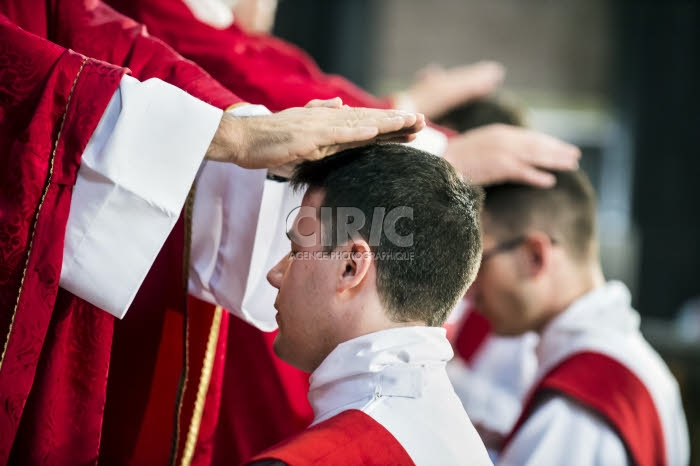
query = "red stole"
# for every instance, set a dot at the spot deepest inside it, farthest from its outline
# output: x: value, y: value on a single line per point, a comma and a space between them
x: 613, y: 391
x: 350, y: 438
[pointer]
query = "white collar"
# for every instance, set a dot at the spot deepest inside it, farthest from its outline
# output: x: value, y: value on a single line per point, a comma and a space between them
x: 605, y: 310
x: 386, y: 363
x: 215, y: 13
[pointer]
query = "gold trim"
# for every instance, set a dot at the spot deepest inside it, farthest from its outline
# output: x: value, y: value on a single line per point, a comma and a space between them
x: 38, y: 211
x: 203, y: 388
x: 188, y: 209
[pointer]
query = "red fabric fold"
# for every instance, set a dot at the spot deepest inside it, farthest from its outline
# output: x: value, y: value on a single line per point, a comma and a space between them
x: 350, y: 438
x: 613, y: 391
x: 54, y: 367
x: 61, y: 425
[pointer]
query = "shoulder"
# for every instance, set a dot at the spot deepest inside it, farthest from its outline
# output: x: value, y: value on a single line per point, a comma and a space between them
x: 351, y: 437
x: 559, y: 429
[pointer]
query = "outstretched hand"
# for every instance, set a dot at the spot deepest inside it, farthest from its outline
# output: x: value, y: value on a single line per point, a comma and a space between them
x: 320, y: 129
x: 437, y: 90
x: 499, y: 153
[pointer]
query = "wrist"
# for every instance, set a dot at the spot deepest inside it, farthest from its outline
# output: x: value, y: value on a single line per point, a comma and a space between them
x: 228, y: 142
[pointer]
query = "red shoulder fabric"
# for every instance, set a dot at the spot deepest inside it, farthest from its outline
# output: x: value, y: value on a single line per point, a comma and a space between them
x: 92, y: 28
x: 350, y: 438
x: 260, y: 69
x: 472, y: 335
x: 264, y: 400
x: 55, y: 347
x: 607, y: 387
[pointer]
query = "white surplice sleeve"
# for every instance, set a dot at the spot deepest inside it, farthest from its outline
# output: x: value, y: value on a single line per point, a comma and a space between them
x: 561, y: 431
x: 238, y: 234
x: 133, y: 180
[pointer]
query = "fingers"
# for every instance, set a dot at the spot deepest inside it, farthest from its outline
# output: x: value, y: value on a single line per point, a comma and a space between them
x: 388, y: 122
x: 335, y: 102
x: 548, y: 152
x: 483, y: 71
x: 531, y: 175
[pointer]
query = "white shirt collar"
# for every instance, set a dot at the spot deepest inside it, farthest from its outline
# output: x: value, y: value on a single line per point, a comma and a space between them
x: 606, y: 309
x: 390, y: 362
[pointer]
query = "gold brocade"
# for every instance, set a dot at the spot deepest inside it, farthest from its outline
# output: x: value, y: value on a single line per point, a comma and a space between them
x: 36, y: 216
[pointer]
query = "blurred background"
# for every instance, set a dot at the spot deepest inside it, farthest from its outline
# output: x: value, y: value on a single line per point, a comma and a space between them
x: 621, y: 79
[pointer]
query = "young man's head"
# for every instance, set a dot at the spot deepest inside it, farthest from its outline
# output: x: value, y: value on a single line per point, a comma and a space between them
x: 540, y: 252
x: 387, y: 236
x: 481, y: 112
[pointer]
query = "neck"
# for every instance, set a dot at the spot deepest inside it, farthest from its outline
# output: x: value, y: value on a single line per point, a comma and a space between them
x: 578, y: 281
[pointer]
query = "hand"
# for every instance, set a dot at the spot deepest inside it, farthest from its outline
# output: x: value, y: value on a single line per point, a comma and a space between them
x: 437, y: 90
x: 499, y: 153
x: 296, y: 134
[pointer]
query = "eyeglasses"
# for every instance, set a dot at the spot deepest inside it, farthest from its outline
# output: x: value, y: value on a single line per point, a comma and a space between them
x: 507, y: 246
x: 502, y: 247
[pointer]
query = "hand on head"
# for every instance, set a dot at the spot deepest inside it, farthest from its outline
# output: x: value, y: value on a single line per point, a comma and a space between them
x: 320, y: 129
x: 498, y: 153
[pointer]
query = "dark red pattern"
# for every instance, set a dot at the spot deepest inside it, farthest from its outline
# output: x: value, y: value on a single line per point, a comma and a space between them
x: 67, y: 386
x: 348, y: 439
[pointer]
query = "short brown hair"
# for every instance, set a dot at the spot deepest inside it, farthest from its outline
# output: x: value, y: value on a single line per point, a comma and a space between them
x: 482, y: 112
x: 446, y: 238
x: 567, y: 211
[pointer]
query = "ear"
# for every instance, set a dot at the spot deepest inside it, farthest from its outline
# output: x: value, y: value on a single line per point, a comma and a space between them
x: 354, y: 264
x: 537, y: 254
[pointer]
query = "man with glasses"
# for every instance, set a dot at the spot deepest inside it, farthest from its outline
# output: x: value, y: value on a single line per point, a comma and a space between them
x: 601, y: 394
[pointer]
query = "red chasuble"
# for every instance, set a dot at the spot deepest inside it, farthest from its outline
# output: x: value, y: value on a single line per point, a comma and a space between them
x: 613, y: 391
x: 260, y: 69
x: 58, y: 348
x: 348, y: 439
x: 55, y: 347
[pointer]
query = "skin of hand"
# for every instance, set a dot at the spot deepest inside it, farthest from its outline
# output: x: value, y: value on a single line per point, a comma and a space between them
x: 437, y: 90
x: 499, y: 153
x: 320, y: 129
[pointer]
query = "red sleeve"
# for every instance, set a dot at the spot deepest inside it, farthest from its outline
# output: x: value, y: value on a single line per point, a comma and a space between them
x: 261, y: 69
x: 93, y: 29
x: 51, y: 100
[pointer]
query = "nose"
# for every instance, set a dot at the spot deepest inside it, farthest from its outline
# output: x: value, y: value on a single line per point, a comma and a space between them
x: 275, y: 274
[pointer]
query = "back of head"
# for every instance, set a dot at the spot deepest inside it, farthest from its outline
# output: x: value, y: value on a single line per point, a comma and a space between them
x: 481, y: 112
x: 428, y: 247
x: 566, y: 212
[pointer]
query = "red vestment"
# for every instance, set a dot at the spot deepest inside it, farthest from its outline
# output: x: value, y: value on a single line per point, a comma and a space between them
x: 261, y: 69
x: 264, y: 399
x: 347, y: 439
x: 611, y: 390
x: 59, y: 348
x: 472, y: 335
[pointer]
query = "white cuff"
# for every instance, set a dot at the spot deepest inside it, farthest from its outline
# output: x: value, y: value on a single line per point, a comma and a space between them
x: 133, y: 180
x: 238, y: 234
